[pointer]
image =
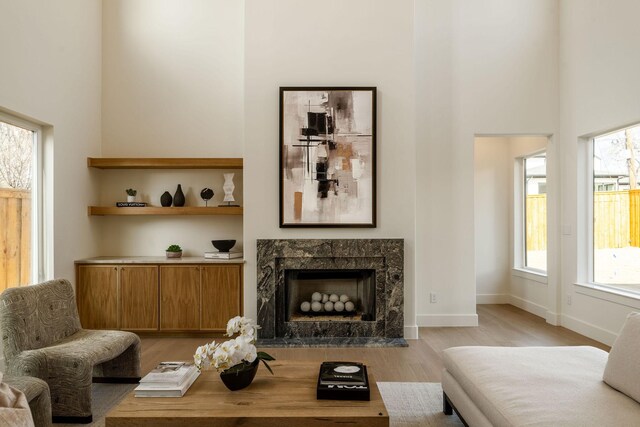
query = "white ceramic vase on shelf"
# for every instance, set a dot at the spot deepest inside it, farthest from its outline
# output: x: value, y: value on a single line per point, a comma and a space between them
x: 228, y: 188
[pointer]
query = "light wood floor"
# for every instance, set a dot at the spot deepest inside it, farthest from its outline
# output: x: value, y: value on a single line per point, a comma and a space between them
x: 500, y: 325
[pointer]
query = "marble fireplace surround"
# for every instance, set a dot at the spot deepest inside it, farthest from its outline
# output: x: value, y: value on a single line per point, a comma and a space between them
x: 385, y: 256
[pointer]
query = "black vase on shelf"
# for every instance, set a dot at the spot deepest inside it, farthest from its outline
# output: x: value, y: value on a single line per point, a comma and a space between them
x: 166, y: 199
x: 178, y: 197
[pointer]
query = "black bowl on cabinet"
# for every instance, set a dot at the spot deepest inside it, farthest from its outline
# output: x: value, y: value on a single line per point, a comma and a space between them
x: 223, y: 245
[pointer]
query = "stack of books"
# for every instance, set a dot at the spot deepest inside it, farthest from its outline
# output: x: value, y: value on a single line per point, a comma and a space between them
x: 343, y: 381
x: 222, y: 255
x: 168, y: 379
x: 131, y: 204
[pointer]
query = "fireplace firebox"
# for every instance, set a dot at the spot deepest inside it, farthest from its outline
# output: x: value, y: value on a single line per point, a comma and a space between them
x: 339, y: 292
x: 330, y: 295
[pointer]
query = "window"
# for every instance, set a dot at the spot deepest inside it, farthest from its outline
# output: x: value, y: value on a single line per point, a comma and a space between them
x: 20, y: 203
x: 615, y: 225
x: 534, y: 189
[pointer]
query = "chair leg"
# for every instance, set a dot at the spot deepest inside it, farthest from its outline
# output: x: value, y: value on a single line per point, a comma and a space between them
x: 73, y: 420
x: 125, y: 366
x: 117, y: 380
x: 447, y: 408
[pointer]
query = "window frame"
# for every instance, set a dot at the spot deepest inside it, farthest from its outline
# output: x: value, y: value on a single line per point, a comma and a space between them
x: 520, y: 204
x: 590, y: 223
x: 39, y: 260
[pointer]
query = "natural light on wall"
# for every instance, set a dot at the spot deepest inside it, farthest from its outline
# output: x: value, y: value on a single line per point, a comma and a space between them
x: 616, y: 209
x: 535, y: 192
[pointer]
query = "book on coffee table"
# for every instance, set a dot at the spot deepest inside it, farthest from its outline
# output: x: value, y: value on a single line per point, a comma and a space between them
x: 169, y: 374
x: 145, y: 390
x: 343, y: 381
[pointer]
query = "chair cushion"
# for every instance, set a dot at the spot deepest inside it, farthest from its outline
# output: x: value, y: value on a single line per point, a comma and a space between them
x: 623, y: 367
x: 90, y: 346
x: 540, y: 386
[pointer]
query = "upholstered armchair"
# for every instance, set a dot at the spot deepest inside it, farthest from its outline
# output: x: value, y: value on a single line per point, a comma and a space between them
x: 42, y: 337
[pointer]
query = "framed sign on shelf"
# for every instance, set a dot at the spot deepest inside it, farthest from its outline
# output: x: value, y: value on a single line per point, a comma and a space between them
x: 327, y: 157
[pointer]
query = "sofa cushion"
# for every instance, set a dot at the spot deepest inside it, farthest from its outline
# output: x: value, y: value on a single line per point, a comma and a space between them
x: 623, y: 367
x: 91, y: 347
x: 540, y: 386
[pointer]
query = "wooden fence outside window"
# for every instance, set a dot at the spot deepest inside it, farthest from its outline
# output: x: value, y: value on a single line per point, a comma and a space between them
x: 616, y: 217
x: 15, y: 238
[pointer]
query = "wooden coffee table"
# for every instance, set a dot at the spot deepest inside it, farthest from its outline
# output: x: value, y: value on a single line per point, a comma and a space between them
x: 285, y: 399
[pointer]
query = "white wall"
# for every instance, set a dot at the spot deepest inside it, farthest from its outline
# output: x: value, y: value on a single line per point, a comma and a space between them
x: 172, y: 87
x: 51, y: 72
x: 599, y: 92
x: 492, y: 191
x: 485, y: 67
x: 336, y: 43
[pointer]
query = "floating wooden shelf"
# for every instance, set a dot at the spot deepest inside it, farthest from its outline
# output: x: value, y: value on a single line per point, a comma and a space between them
x: 153, y: 210
x: 164, y: 163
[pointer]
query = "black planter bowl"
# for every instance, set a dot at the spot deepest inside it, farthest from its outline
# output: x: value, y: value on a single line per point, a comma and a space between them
x: 223, y: 245
x: 240, y: 379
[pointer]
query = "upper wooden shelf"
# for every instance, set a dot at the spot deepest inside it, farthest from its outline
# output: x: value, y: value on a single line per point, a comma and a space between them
x: 164, y: 163
x: 155, y: 210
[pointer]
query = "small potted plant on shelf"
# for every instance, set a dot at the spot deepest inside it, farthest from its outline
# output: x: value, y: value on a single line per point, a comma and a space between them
x: 131, y: 195
x: 174, y: 251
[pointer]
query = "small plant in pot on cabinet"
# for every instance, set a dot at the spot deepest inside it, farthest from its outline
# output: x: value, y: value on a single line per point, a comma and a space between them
x: 174, y: 251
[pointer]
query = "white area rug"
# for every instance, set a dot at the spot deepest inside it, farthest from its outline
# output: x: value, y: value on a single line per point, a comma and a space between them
x: 408, y: 404
x: 416, y: 405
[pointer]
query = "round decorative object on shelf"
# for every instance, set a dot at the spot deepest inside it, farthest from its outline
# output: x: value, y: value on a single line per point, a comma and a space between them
x: 166, y: 199
x: 223, y: 245
x: 239, y: 379
x: 178, y: 197
x: 316, y: 306
x: 206, y: 195
x: 305, y: 306
x: 317, y: 296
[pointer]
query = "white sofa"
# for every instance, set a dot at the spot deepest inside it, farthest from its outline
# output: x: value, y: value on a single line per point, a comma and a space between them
x: 545, y: 386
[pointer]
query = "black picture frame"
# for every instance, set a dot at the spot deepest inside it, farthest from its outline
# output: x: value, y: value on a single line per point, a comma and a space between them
x: 335, y: 186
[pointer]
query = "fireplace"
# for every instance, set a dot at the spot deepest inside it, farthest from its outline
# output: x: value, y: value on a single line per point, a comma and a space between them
x: 339, y: 292
x: 330, y: 295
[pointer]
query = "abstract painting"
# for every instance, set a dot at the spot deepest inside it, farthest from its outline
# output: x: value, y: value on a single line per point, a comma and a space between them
x: 327, y: 157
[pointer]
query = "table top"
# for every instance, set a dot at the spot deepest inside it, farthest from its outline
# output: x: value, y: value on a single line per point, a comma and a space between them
x: 287, y: 398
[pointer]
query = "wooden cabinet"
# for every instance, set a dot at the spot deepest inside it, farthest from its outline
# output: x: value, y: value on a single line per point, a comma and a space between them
x: 221, y: 297
x: 139, y: 298
x: 97, y: 296
x: 161, y: 297
x: 179, y: 298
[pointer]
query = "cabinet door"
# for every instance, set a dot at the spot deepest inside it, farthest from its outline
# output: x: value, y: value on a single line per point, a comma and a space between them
x: 139, y: 298
x: 221, y: 296
x: 97, y: 296
x: 179, y: 297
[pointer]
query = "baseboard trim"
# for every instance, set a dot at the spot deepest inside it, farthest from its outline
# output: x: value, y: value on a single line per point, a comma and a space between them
x: 447, y: 319
x: 553, y: 318
x: 492, y: 299
x: 587, y: 329
x: 411, y: 332
x: 529, y: 306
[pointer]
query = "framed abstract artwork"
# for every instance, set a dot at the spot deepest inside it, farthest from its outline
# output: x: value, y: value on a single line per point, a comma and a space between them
x: 327, y: 157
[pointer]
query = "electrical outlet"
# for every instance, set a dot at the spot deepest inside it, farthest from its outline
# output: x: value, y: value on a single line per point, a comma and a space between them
x: 434, y: 298
x: 569, y: 301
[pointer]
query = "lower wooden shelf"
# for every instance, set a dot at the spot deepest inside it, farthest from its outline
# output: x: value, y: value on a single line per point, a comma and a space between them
x: 154, y: 210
